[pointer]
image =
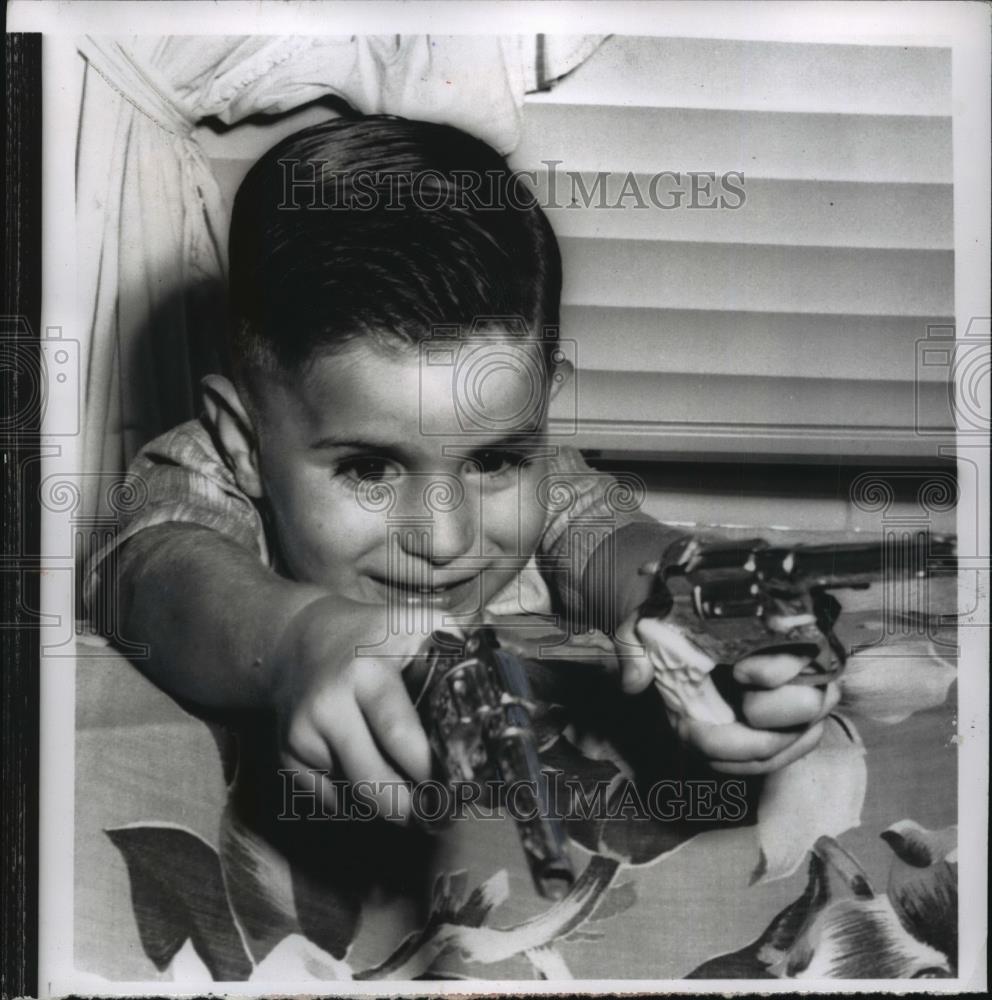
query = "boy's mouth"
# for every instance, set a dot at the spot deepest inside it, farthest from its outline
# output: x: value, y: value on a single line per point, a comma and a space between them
x: 446, y: 595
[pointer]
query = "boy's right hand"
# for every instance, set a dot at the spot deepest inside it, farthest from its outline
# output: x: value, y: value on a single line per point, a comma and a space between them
x: 780, y: 721
x: 347, y: 712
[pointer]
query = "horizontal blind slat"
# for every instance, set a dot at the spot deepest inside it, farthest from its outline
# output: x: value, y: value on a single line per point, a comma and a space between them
x: 811, y: 213
x: 754, y: 399
x: 757, y: 278
x: 867, y: 148
x: 654, y: 412
x: 770, y: 442
x: 761, y: 75
x: 705, y: 342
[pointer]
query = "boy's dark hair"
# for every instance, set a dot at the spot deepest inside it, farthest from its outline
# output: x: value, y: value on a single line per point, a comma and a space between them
x: 381, y: 226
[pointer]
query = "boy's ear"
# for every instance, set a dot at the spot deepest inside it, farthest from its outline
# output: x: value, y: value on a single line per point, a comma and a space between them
x: 234, y: 431
x: 563, y: 374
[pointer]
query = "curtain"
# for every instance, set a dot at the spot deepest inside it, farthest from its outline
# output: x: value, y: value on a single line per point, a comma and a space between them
x: 151, y: 222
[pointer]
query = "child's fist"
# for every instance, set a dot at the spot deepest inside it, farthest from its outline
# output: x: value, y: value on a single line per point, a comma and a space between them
x: 780, y: 721
x: 347, y: 711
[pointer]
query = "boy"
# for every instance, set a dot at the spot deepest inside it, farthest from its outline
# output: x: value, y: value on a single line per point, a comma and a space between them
x: 262, y: 569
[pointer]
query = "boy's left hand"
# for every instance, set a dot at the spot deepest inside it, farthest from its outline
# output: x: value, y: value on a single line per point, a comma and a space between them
x: 780, y: 721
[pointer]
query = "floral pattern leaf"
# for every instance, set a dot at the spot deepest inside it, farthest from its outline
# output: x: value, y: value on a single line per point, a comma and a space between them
x: 862, y: 939
x: 548, y: 963
x: 743, y: 964
x: 177, y: 891
x: 838, y: 929
x: 483, y: 899
x: 819, y: 794
x: 188, y: 968
x: 919, y: 847
x: 488, y: 945
x: 448, y: 895
x: 754, y: 960
x: 782, y: 932
x: 259, y: 884
x: 583, y: 935
x: 447, y: 909
x: 297, y: 959
x: 893, y: 683
x: 923, y: 884
x: 616, y: 899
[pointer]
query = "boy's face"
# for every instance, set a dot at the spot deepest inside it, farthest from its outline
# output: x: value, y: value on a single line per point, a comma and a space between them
x: 377, y: 491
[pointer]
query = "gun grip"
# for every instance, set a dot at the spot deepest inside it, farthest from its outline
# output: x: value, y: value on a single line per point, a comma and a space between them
x: 729, y: 640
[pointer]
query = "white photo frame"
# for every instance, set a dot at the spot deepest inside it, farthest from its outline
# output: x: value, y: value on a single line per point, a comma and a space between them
x: 951, y: 230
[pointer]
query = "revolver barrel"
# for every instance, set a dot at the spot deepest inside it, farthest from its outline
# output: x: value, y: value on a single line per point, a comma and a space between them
x: 474, y: 702
x: 738, y: 598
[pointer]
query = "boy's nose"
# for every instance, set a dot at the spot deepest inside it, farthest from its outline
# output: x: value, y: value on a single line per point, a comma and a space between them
x: 448, y: 529
x: 450, y: 536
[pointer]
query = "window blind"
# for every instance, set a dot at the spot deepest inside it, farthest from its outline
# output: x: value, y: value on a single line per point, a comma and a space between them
x: 791, y: 325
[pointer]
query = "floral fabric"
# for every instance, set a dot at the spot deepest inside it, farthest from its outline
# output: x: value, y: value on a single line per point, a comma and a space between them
x: 205, y: 886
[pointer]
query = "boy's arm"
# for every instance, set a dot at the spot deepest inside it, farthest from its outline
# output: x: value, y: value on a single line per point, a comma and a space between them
x: 779, y: 721
x: 595, y: 530
x: 209, y: 612
x: 631, y: 546
x: 227, y: 633
x: 185, y: 576
x: 597, y: 540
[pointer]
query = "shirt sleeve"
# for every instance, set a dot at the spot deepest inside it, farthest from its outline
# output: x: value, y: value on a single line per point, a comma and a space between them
x: 181, y: 478
x: 583, y: 507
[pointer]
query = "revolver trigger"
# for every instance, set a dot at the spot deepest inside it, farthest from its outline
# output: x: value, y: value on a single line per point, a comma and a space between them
x: 827, y: 609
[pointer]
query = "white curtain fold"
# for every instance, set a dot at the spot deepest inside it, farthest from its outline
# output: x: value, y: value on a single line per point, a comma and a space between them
x: 151, y: 223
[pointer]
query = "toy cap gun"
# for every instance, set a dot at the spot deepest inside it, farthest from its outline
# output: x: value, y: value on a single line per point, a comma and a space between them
x: 736, y: 599
x: 474, y: 701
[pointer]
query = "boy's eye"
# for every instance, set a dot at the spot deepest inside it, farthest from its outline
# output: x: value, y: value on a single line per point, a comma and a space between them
x: 366, y: 467
x: 495, y: 462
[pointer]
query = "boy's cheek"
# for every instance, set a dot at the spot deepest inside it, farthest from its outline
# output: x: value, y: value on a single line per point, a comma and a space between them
x: 532, y: 519
x: 499, y: 523
x: 530, y: 513
x: 318, y: 535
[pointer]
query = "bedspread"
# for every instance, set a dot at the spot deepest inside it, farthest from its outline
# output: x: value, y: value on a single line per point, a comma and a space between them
x: 842, y: 866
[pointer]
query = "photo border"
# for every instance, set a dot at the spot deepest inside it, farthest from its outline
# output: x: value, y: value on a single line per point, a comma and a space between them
x: 20, y: 698
x: 20, y: 405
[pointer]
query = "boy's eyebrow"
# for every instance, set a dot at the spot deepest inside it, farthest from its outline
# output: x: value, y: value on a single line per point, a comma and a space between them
x: 522, y: 440
x: 357, y: 443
